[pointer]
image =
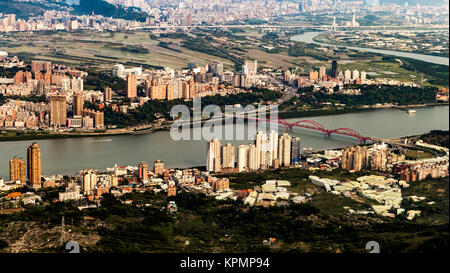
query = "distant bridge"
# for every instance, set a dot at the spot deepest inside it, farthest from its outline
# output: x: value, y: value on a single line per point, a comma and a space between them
x: 312, y: 125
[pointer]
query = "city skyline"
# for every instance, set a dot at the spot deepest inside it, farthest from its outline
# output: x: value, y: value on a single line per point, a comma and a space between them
x: 265, y: 129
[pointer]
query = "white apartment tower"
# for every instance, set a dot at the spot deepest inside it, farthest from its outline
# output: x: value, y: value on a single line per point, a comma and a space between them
x: 273, y: 144
x: 242, y: 158
x: 88, y: 181
x: 284, y: 150
x: 213, y: 162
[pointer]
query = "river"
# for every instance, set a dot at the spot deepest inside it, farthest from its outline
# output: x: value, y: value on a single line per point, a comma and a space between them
x: 67, y: 156
x: 308, y: 37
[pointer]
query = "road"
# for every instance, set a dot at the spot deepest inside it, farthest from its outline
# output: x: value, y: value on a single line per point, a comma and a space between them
x: 325, y: 27
x: 289, y: 91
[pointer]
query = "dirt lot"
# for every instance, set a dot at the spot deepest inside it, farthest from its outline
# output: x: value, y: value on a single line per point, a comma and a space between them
x: 25, y: 237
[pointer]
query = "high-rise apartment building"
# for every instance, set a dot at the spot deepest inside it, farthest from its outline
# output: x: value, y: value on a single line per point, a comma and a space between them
x: 216, y: 68
x: 378, y: 160
x: 38, y: 66
x: 261, y: 144
x: 131, y: 86
x: 192, y: 91
x: 242, y: 158
x: 76, y: 84
x: 295, y: 150
x: 158, y: 167
x: 98, y: 117
x: 87, y: 122
x: 17, y: 170
x: 107, y: 95
x: 322, y: 72
x: 228, y: 151
x: 77, y: 104
x: 219, y: 184
x: 213, y: 162
x: 355, y: 74
x: 34, y: 165
x: 363, y: 76
x: 273, y: 144
x: 169, y: 92
x: 355, y: 158
x: 185, y: 92
x: 253, y: 163
x: 143, y: 171
x: 88, y: 181
x: 313, y: 75
x: 19, y: 77
x: 58, y: 110
x: 347, y: 75
x: 284, y: 150
x: 334, y: 69
x: 157, y: 91
x: 250, y: 67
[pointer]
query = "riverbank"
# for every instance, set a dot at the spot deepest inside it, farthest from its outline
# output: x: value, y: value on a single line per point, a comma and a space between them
x: 329, y: 112
x: 323, y: 38
x: 23, y: 135
x: 74, y: 154
x: 42, y: 136
x: 309, y: 37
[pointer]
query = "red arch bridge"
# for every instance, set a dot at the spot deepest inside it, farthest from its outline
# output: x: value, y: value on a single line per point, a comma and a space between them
x: 312, y: 125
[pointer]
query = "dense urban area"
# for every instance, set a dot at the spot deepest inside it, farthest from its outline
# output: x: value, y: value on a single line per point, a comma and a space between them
x: 77, y: 69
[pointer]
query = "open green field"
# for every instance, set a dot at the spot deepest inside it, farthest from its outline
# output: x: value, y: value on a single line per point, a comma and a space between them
x: 103, y: 50
x: 390, y: 68
x: 247, y: 32
x: 382, y: 70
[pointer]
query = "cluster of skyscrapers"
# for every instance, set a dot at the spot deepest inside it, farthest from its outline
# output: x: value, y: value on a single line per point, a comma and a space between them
x: 60, y: 85
x: 268, y: 151
x: 158, y: 169
x: 168, y: 84
x: 18, y: 170
x: 374, y: 158
x: 82, y: 118
x: 43, y: 79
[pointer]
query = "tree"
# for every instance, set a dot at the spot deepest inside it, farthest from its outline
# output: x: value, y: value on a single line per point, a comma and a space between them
x: 3, y: 244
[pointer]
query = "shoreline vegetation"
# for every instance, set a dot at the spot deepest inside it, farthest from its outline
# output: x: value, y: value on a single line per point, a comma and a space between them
x: 5, y: 135
x: 341, y: 111
x: 323, y: 39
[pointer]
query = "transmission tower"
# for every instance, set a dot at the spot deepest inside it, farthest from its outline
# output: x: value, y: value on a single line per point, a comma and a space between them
x: 63, y: 232
x: 333, y: 26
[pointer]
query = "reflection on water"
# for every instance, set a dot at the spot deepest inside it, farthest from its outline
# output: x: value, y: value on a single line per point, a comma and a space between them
x: 67, y: 156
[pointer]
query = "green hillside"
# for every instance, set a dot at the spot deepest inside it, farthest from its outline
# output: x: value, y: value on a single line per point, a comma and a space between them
x: 24, y: 10
x: 106, y: 9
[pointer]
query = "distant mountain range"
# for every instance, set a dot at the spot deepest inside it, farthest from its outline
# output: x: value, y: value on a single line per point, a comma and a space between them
x: 100, y: 7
